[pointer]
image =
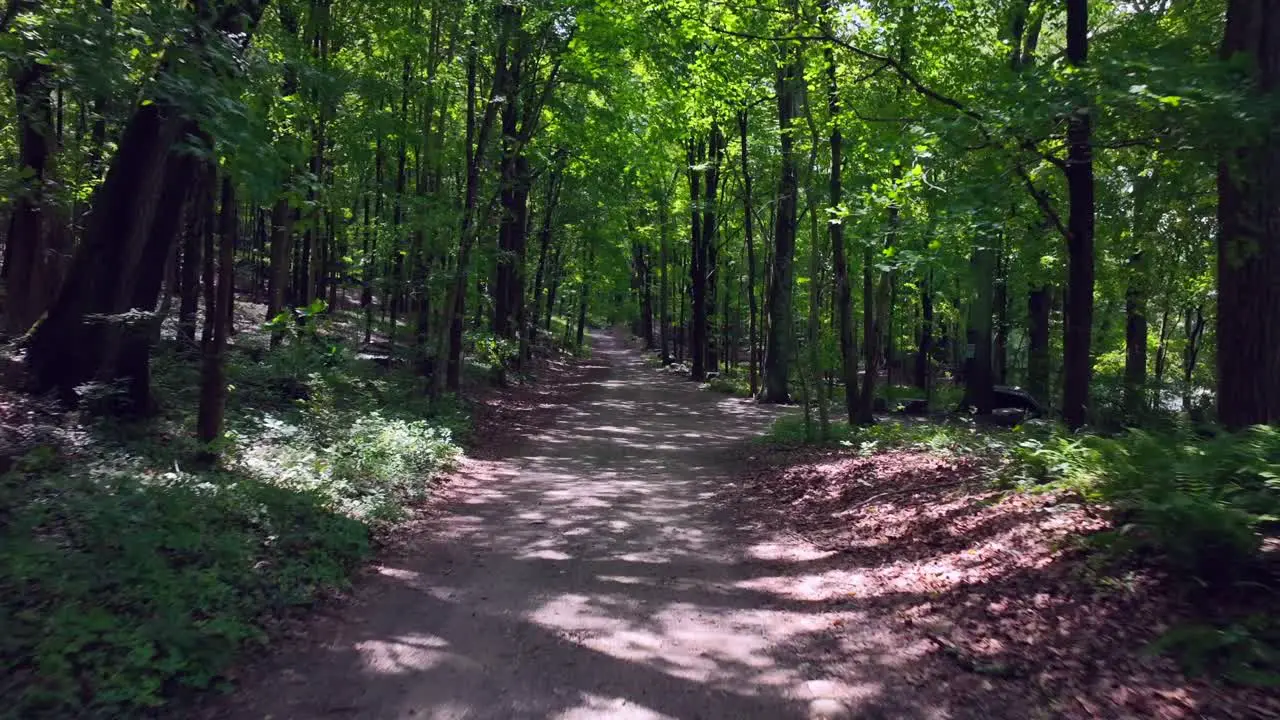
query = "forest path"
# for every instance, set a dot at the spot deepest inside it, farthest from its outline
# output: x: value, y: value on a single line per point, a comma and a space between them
x: 589, y: 575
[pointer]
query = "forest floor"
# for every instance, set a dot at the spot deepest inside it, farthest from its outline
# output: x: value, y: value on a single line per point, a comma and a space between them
x: 605, y: 555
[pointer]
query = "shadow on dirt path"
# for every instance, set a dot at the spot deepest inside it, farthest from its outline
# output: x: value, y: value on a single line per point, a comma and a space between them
x: 590, y: 574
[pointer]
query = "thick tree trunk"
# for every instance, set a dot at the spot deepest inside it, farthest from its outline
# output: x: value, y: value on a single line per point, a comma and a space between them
x: 1077, y: 363
x: 79, y: 339
x: 29, y: 272
x: 979, y: 378
x: 1249, y: 235
x: 777, y: 360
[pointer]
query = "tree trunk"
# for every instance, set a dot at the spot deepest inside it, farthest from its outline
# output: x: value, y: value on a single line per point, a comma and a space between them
x: 748, y: 225
x: 477, y: 139
x: 1039, y: 305
x: 924, y: 365
x: 1135, y: 338
x: 80, y: 339
x: 777, y: 361
x: 979, y: 379
x: 28, y: 269
x: 213, y: 385
x: 1249, y: 236
x: 193, y: 256
x: 697, y: 265
x: 1000, y: 353
x: 843, y: 289
x: 1080, y: 226
x: 710, y: 242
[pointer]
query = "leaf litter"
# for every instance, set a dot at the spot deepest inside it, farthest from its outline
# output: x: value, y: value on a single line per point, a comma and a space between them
x: 1020, y: 617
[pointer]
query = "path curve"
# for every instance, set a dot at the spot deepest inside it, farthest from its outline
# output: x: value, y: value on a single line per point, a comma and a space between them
x: 591, y: 575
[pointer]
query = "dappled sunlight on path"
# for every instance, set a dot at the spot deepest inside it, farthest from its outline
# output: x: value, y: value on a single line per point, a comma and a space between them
x: 589, y: 574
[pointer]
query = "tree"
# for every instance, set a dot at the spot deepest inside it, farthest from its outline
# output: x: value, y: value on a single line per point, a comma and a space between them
x: 1249, y: 235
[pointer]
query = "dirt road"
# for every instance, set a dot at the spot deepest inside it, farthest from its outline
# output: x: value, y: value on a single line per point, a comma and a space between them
x: 590, y: 575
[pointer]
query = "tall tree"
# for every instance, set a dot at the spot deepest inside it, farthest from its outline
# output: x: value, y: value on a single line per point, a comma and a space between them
x: 1249, y: 233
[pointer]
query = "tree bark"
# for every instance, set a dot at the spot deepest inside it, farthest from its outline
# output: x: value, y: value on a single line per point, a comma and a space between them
x: 979, y: 378
x: 213, y: 385
x: 1039, y: 305
x: 843, y: 289
x: 1080, y: 227
x: 777, y: 361
x: 697, y: 265
x: 80, y: 339
x: 748, y: 224
x: 29, y: 272
x: 1249, y: 235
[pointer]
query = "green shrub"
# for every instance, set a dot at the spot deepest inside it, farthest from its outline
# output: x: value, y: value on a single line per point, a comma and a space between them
x: 730, y: 384
x: 493, y: 354
x: 1201, y: 504
x: 121, y: 593
x: 385, y: 463
x: 1245, y: 652
x: 126, y: 580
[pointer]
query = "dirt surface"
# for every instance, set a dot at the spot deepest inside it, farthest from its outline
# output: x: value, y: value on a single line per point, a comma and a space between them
x: 586, y: 575
x: 604, y: 556
x: 1025, y: 621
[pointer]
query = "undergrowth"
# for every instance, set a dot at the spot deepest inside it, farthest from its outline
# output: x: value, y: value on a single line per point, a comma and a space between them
x: 131, y: 574
x: 1204, y: 508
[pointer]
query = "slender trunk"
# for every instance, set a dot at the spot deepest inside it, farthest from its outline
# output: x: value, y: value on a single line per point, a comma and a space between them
x: 213, y: 386
x: 477, y: 138
x: 193, y: 257
x: 1080, y: 227
x: 1194, y: 327
x: 1039, y: 305
x: 843, y: 290
x: 697, y: 260
x: 748, y: 224
x: 710, y: 242
x: 1000, y: 353
x: 664, y: 258
x: 584, y: 294
x: 544, y: 243
x: 1162, y: 349
x: 1135, y: 338
x: 924, y: 369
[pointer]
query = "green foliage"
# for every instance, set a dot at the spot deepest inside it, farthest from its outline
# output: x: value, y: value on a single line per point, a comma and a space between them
x: 493, y: 355
x: 131, y: 579
x: 734, y: 384
x: 1245, y: 652
x: 385, y: 463
x: 1200, y: 504
x: 120, y: 593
